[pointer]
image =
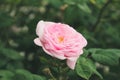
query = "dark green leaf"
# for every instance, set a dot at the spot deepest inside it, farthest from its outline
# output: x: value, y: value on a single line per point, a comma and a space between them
x: 84, y: 7
x: 70, y: 2
x: 37, y: 77
x: 56, y: 3
x: 85, y: 68
x: 9, y: 53
x: 13, y: 65
x: 6, y: 75
x: 3, y: 60
x: 106, y: 56
x: 23, y: 75
x: 5, y: 19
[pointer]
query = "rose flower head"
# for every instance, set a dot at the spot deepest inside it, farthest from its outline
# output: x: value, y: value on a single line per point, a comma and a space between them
x: 60, y: 41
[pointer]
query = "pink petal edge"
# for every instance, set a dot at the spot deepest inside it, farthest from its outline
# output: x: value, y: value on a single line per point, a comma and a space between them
x: 59, y: 56
x: 71, y: 62
x: 37, y: 42
x: 40, y: 28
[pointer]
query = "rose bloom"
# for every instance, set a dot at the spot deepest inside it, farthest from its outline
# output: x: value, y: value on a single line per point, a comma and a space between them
x: 60, y: 41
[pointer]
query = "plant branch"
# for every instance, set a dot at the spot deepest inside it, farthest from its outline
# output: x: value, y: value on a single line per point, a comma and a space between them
x: 100, y: 15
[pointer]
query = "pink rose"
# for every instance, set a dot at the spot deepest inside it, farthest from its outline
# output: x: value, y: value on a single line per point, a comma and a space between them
x: 60, y: 41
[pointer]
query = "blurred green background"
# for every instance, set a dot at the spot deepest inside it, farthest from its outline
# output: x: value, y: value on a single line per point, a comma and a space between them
x: 97, y: 20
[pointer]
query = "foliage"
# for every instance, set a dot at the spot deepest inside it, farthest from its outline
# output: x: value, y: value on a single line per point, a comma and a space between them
x: 97, y: 20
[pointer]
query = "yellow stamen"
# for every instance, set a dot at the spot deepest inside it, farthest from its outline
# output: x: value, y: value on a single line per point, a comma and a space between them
x: 60, y: 39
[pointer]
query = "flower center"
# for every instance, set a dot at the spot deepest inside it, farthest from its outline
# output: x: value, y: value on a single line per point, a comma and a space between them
x: 60, y: 39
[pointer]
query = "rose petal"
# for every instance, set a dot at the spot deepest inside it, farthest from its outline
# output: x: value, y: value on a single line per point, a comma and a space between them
x: 40, y: 28
x: 59, y: 56
x: 47, y: 51
x: 37, y: 42
x: 71, y: 62
x: 83, y: 40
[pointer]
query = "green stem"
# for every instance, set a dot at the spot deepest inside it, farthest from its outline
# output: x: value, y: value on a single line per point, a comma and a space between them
x: 95, y: 26
x: 48, y: 72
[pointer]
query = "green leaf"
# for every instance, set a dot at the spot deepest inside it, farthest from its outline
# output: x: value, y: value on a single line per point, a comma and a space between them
x: 115, y: 51
x: 3, y: 60
x: 93, y: 1
x: 70, y: 2
x: 10, y: 53
x: 23, y: 75
x: 6, y: 75
x: 74, y: 2
x: 85, y: 54
x: 85, y: 68
x: 84, y: 7
x: 13, y: 65
x: 105, y: 56
x: 5, y: 19
x: 56, y: 3
x: 69, y: 18
x: 37, y: 77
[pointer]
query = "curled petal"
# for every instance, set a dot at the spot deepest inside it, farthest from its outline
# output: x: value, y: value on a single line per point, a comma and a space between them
x: 71, y: 62
x: 40, y: 28
x: 59, y: 56
x: 37, y: 42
